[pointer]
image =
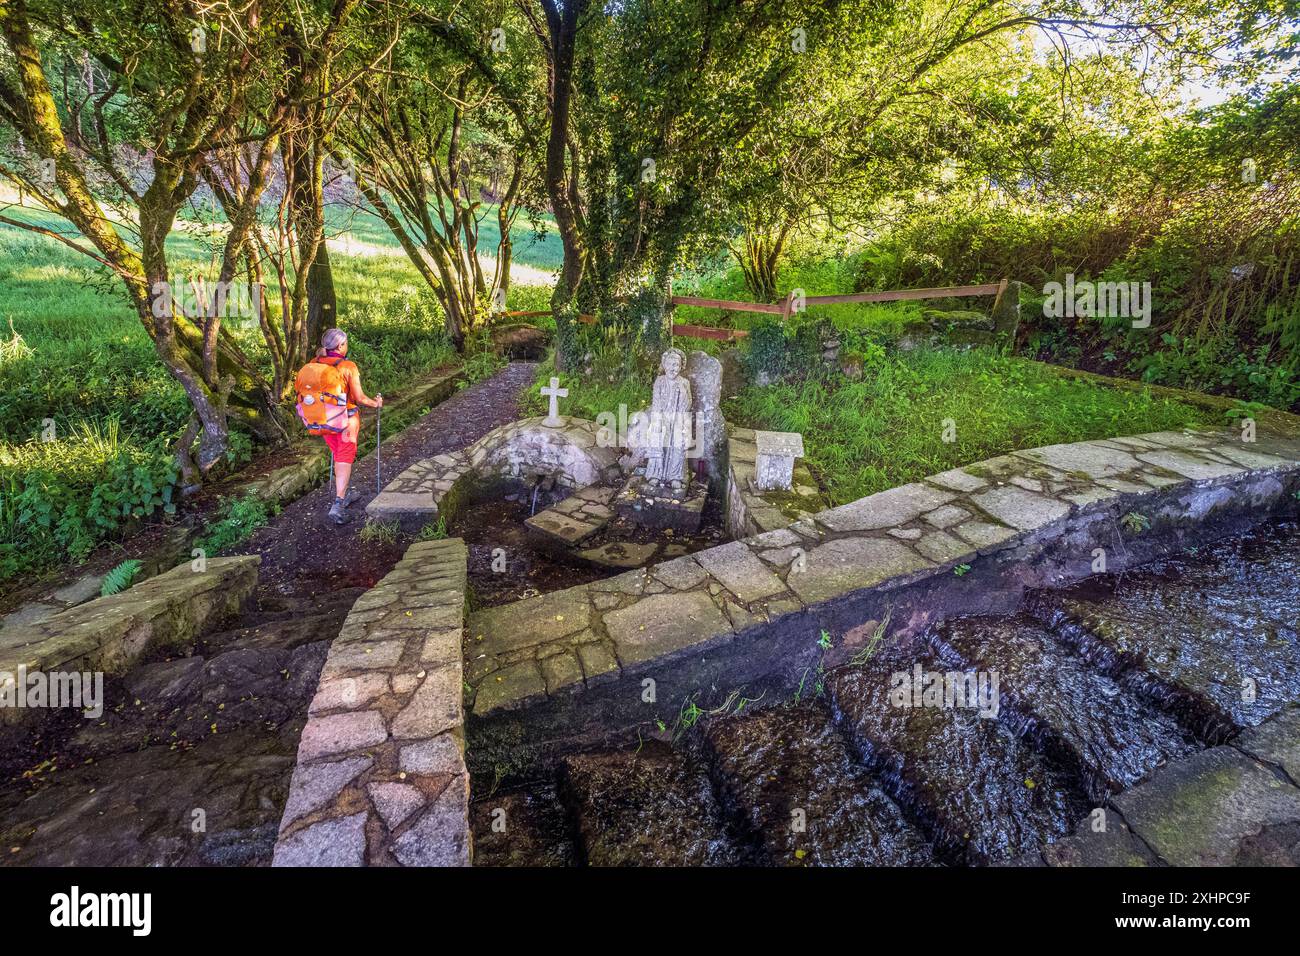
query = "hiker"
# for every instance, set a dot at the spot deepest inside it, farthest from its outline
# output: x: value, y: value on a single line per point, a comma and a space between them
x: 329, y: 391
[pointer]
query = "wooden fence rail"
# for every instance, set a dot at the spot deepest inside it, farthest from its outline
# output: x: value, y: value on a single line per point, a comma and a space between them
x: 786, y: 307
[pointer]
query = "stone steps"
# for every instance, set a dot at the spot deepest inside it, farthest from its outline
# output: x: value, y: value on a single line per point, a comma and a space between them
x: 1210, y: 636
x: 1109, y: 735
x: 786, y: 776
x: 653, y: 807
x: 983, y: 793
x: 576, y: 518
x: 1078, y: 764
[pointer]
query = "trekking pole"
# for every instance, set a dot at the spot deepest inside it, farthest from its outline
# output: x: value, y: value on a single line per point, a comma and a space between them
x: 379, y: 429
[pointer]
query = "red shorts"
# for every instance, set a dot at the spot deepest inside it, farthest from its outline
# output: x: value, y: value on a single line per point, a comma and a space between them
x: 345, y: 452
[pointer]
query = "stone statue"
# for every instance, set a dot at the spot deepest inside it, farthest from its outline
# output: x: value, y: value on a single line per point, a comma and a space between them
x: 669, y: 432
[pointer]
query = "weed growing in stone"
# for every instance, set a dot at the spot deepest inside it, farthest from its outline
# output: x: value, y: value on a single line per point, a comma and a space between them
x: 379, y: 532
x: 873, y: 642
x: 1135, y: 523
x: 433, y: 531
x: 687, y: 717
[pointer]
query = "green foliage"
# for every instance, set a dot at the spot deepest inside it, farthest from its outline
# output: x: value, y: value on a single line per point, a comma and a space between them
x: 481, y: 360
x: 60, y: 498
x: 868, y: 650
x: 235, y: 523
x: 764, y: 353
x: 1135, y: 523
x: 433, y: 530
x: 120, y: 577
x: 886, y: 430
x: 590, y: 395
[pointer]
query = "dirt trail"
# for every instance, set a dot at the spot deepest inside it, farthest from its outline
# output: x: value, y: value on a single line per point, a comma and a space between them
x: 190, y: 763
x: 302, y: 551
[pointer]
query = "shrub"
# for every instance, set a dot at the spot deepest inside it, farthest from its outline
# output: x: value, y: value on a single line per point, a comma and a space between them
x: 59, y: 499
x: 237, y: 519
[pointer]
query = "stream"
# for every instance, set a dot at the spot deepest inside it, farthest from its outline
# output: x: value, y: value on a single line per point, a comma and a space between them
x: 1097, y: 686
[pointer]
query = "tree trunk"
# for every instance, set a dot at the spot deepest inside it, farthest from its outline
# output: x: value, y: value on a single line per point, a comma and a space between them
x: 562, y: 26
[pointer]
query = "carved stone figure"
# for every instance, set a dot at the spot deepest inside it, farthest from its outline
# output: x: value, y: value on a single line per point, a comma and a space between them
x: 668, y: 435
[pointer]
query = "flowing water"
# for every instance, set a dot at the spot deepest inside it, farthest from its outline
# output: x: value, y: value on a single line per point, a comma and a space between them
x: 1097, y: 686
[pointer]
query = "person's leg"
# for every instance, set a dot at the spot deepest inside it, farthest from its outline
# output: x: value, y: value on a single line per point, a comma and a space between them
x: 342, y: 474
x: 350, y: 439
x: 345, y: 453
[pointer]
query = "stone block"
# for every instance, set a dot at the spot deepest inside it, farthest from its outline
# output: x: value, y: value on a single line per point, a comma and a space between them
x: 441, y: 836
x: 886, y: 509
x: 318, y: 784
x: 740, y: 571
x: 341, y: 733
x: 1199, y: 811
x: 340, y: 842
x: 844, y: 565
x: 774, y: 459
x: 662, y: 624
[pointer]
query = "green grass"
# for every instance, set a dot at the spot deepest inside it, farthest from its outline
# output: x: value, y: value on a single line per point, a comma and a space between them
x: 888, y: 429
x: 589, y: 395
x: 379, y: 532
x: 77, y: 355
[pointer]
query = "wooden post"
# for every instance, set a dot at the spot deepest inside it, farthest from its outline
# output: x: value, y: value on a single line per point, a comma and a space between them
x: 787, y: 307
x: 997, y: 300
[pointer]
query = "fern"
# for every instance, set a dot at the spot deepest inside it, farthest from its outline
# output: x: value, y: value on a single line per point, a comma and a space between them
x: 120, y: 578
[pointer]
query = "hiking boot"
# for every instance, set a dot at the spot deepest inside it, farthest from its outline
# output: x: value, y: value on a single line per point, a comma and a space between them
x: 352, y: 498
x: 337, y: 514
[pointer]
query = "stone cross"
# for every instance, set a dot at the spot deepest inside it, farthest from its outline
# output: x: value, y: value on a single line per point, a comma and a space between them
x: 554, y: 393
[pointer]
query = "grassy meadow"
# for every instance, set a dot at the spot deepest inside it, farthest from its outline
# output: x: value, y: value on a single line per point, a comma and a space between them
x: 77, y: 367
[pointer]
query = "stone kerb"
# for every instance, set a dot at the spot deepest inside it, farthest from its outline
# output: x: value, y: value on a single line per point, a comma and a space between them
x: 569, y: 452
x: 749, y: 509
x: 1036, y: 515
x: 107, y: 634
x: 380, y: 777
x: 425, y: 488
x: 1227, y: 806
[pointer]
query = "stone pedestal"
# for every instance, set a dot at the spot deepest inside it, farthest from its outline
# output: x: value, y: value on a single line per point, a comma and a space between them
x: 774, y: 463
x: 659, y: 508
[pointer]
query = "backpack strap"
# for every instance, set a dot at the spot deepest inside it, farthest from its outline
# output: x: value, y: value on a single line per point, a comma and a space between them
x: 325, y: 359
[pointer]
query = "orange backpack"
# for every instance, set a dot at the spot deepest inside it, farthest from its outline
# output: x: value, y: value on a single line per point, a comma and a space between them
x: 322, y: 396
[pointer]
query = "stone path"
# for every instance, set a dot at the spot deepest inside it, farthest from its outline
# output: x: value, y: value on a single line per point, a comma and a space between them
x: 381, y: 773
x: 302, y: 545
